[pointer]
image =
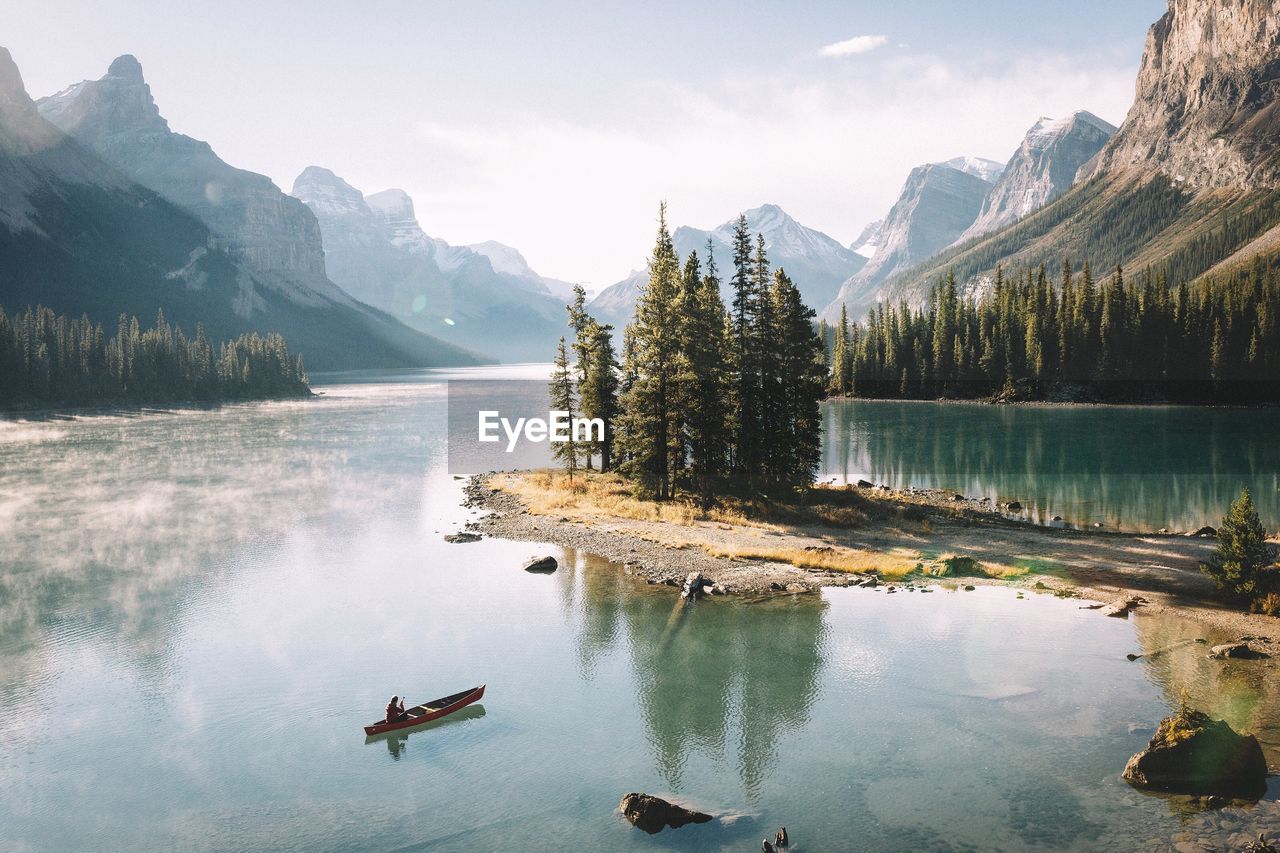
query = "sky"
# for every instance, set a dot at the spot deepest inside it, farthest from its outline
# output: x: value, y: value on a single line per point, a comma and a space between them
x: 557, y: 127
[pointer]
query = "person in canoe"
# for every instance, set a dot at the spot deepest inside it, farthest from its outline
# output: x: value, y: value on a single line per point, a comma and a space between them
x: 395, y: 710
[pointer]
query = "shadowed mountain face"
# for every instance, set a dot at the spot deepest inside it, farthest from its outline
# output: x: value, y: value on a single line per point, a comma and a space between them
x: 122, y: 215
x: 1190, y: 183
x: 814, y: 261
x: 937, y: 203
x: 376, y: 250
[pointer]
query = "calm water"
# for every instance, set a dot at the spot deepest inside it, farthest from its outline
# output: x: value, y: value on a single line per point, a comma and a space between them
x: 1130, y: 467
x: 198, y: 611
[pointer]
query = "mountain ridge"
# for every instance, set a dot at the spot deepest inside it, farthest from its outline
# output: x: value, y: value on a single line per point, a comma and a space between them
x: 376, y: 249
x: 83, y: 236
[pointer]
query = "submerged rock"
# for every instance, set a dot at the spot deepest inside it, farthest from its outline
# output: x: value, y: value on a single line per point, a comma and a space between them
x: 1192, y: 754
x: 1122, y: 607
x: 1262, y: 845
x: 1240, y: 650
x: 457, y: 538
x: 541, y: 564
x: 653, y: 814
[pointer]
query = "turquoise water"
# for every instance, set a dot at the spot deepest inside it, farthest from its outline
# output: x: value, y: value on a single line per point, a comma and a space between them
x: 1130, y: 467
x: 201, y: 609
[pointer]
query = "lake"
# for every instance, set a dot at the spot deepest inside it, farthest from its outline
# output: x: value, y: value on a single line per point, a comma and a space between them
x: 1139, y: 468
x: 200, y: 609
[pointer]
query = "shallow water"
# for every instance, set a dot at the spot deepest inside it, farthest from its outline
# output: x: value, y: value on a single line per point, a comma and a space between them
x: 201, y: 609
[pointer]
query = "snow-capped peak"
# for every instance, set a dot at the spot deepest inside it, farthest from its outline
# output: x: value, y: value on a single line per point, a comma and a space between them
x: 988, y: 170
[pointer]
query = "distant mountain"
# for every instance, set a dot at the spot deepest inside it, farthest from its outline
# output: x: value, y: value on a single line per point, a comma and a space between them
x: 868, y: 240
x: 1043, y: 168
x: 1190, y: 183
x: 815, y: 262
x: 78, y: 234
x: 377, y: 251
x: 509, y: 262
x: 936, y: 204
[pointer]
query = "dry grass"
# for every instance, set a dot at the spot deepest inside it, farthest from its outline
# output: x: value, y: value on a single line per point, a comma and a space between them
x: 833, y: 559
x: 593, y: 493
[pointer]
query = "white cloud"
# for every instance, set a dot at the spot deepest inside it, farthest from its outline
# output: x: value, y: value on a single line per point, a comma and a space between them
x: 855, y: 45
x: 579, y: 198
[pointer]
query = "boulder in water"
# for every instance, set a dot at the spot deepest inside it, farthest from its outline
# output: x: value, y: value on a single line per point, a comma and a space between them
x: 457, y: 538
x: 653, y: 814
x: 1192, y: 754
x: 541, y: 564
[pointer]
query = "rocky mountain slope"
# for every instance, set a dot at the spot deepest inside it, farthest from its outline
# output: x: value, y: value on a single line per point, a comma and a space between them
x: 1205, y: 112
x: 1043, y: 167
x: 937, y: 203
x: 378, y: 252
x: 79, y: 234
x: 1190, y: 183
x: 817, y: 263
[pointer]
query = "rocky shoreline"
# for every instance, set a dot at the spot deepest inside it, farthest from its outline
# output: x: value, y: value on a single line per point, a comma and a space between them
x: 1124, y: 572
x: 650, y: 561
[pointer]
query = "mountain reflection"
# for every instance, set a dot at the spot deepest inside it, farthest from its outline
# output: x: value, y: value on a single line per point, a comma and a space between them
x: 1131, y: 467
x: 714, y: 677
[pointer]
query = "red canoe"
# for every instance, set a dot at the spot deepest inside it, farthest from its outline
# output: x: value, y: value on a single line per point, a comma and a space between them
x: 425, y: 713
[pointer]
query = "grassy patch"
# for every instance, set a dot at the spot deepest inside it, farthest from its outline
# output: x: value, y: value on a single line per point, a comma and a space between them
x: 833, y: 559
x: 963, y: 566
x: 590, y: 492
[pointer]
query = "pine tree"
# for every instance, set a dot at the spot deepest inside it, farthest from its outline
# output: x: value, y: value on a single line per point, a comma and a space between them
x: 705, y: 348
x: 1243, y: 565
x: 744, y: 354
x: 795, y: 441
x: 561, y: 387
x: 650, y: 430
x: 598, y: 391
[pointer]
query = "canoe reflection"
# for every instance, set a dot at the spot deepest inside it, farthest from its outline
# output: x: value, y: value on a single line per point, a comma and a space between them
x: 396, y: 740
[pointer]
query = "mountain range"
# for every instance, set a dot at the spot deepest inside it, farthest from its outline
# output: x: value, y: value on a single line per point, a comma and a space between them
x: 1188, y: 186
x: 109, y: 212
x: 945, y: 204
x: 817, y: 263
x: 482, y: 297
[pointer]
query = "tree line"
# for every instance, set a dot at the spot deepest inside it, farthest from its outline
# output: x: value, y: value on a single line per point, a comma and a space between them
x: 705, y: 398
x: 47, y: 358
x: 1036, y: 336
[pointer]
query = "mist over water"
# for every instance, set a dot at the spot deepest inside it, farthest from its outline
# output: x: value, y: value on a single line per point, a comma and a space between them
x: 200, y: 609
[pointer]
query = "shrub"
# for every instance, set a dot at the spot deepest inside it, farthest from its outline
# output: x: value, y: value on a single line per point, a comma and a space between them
x: 1268, y: 604
x: 1242, y: 566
